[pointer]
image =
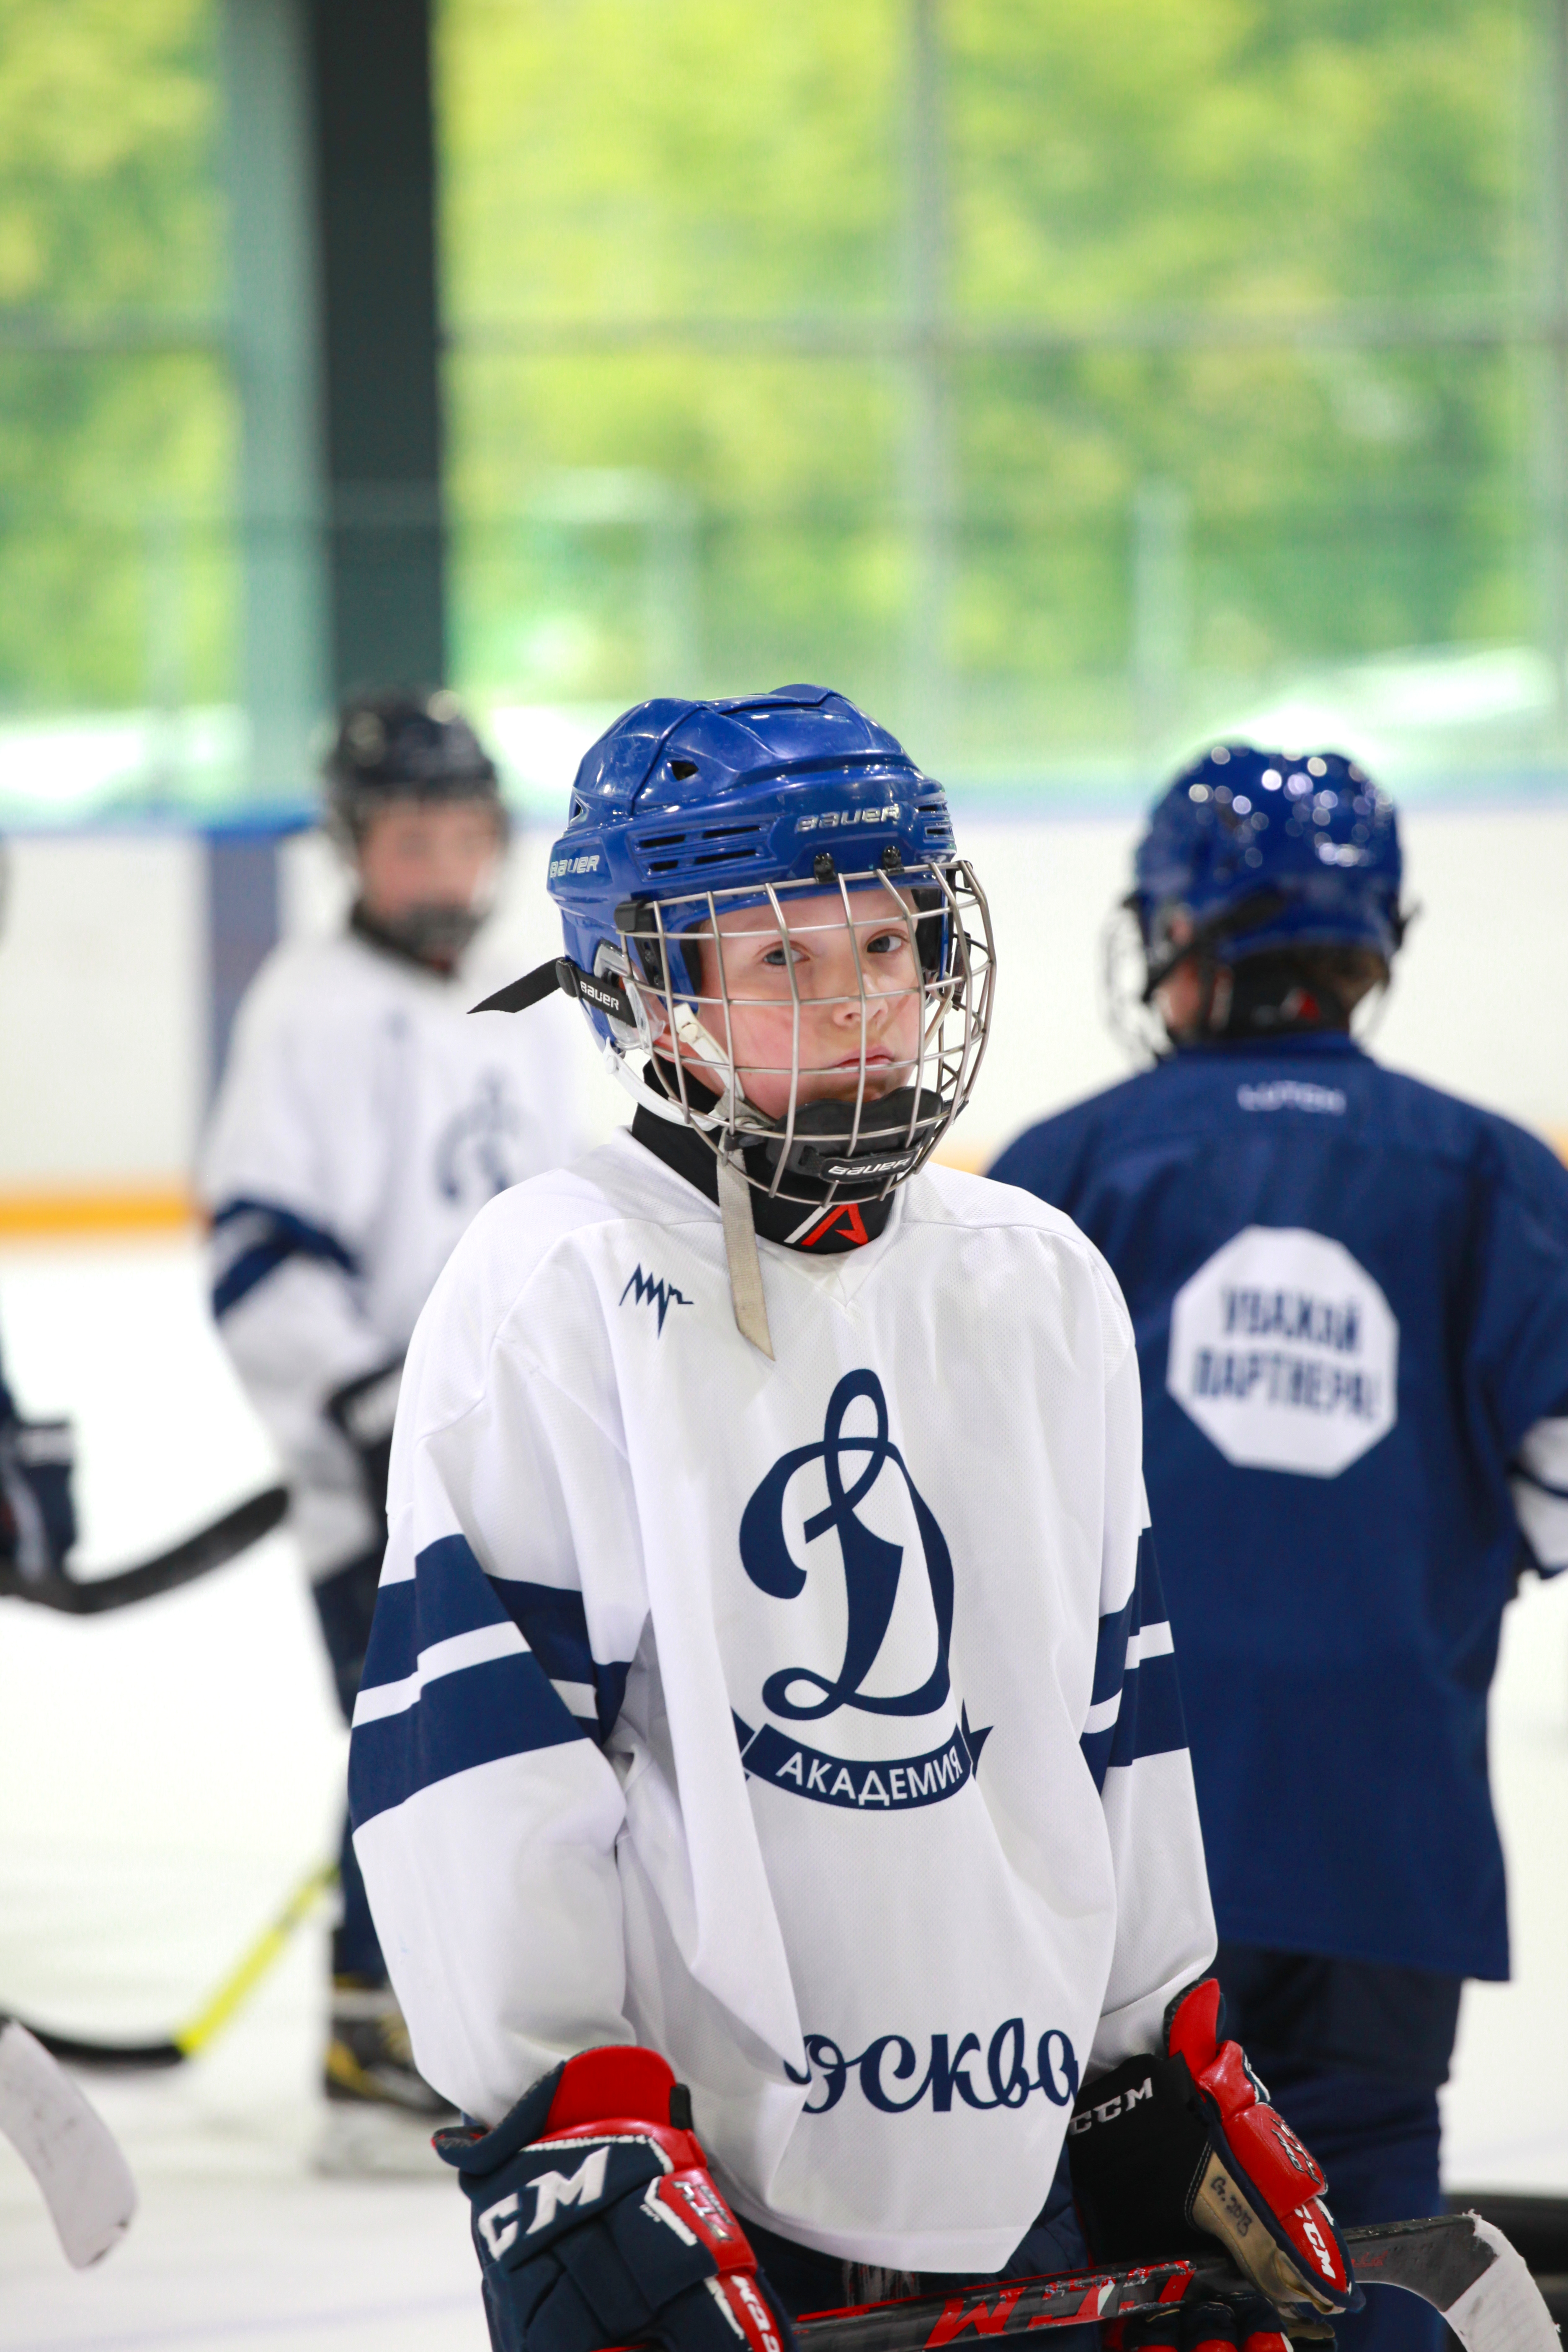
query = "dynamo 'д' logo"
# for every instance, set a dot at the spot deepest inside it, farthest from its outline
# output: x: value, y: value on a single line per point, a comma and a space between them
x: 851, y: 1466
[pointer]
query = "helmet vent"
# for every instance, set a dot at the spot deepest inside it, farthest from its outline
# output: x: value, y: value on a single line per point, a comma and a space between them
x: 681, y: 769
x: 694, y: 851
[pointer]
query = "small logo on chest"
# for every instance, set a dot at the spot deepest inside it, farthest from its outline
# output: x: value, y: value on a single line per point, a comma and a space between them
x: 647, y: 1289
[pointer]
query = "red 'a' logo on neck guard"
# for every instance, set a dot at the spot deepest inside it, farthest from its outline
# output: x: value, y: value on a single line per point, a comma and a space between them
x: 844, y: 1222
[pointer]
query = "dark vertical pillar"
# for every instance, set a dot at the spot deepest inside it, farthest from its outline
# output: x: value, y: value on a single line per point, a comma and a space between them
x: 242, y: 926
x: 376, y: 194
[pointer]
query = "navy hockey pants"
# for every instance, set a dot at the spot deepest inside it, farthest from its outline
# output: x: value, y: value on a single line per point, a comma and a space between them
x: 345, y: 1604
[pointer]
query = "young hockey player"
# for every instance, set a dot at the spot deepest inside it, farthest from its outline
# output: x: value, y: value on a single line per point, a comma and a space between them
x: 362, y: 1120
x: 1350, y: 1293
x: 770, y: 1684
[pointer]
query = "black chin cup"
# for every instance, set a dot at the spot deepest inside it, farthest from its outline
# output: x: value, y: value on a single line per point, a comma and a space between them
x: 885, y: 1149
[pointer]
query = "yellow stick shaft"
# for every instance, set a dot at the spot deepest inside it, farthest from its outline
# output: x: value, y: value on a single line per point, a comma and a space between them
x: 216, y: 2012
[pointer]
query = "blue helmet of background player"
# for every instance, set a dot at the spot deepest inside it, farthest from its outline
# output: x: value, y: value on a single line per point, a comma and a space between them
x: 685, y: 810
x: 1250, y: 851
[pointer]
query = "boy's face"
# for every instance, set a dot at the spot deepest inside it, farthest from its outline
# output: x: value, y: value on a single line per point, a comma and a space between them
x: 417, y: 852
x: 860, y: 991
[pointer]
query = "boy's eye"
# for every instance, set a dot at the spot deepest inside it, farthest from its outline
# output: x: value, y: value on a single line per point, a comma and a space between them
x: 887, y: 944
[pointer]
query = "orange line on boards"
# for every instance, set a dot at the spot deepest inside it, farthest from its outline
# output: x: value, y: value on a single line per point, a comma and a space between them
x: 169, y: 1208
x: 118, y: 1209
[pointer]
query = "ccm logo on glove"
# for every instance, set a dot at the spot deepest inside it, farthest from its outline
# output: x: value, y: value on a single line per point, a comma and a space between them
x: 584, y: 2187
x: 1109, y: 2109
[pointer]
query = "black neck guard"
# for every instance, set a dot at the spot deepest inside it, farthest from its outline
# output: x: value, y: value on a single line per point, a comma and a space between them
x: 824, y: 1232
x: 433, y: 939
x: 1273, y: 996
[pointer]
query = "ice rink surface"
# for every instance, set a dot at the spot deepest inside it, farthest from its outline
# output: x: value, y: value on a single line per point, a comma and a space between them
x: 168, y: 1774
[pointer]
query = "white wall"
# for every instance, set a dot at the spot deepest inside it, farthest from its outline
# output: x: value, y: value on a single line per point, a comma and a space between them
x: 103, y: 1013
x: 102, y: 1010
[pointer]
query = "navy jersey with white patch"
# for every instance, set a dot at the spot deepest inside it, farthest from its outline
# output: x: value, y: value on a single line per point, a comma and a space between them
x: 812, y: 1722
x: 1350, y: 1292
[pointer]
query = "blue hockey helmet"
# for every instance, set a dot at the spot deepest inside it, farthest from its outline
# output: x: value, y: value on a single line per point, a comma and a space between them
x: 684, y: 812
x: 1253, y: 852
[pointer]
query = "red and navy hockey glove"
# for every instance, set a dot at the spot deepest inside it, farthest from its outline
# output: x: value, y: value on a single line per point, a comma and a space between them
x: 597, y: 2223
x: 1166, y: 2151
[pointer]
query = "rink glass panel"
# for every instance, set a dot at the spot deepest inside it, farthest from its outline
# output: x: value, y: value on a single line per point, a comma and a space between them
x: 119, y: 567
x: 1061, y: 385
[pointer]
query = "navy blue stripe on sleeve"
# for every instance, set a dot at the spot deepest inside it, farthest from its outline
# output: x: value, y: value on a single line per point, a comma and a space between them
x: 448, y: 1593
x: 502, y: 1707
x: 262, y: 1237
x: 1148, y: 1721
x: 555, y: 1624
x: 1111, y: 1650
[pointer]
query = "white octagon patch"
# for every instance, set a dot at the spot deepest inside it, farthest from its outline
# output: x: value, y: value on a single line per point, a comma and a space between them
x: 1284, y: 1353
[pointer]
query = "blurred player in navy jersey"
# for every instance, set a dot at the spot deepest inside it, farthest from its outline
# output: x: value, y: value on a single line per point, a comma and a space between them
x: 362, y: 1120
x: 1350, y: 1292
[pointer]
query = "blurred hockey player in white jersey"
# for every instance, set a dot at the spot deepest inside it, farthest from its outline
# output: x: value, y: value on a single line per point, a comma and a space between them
x: 362, y: 1121
x: 770, y: 1686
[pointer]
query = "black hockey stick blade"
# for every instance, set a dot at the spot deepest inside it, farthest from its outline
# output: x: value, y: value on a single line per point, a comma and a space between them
x: 187, y: 2040
x: 211, y: 1546
x: 1464, y: 2267
x: 107, y: 2057
x: 1460, y: 2264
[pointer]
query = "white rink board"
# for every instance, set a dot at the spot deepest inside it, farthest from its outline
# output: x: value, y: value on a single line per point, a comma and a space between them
x: 165, y: 1775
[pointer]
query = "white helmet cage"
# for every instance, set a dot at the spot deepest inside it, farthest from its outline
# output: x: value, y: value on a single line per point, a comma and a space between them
x: 818, y: 1151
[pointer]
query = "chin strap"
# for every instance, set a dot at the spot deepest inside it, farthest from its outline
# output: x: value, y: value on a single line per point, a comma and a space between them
x: 741, y: 1255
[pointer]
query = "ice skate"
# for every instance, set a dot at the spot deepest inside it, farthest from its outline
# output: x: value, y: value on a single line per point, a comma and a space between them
x: 380, y: 2110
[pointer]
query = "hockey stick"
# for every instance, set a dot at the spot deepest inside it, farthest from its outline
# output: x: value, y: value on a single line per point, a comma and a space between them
x: 1461, y: 2265
x: 128, y: 2057
x: 67, y: 2148
x: 209, y: 1547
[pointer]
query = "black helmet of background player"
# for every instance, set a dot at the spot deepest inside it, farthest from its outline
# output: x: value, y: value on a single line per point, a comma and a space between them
x: 1267, y: 894
x: 400, y: 761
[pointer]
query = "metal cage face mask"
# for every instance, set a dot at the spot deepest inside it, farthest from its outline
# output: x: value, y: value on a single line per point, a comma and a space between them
x: 821, y: 1035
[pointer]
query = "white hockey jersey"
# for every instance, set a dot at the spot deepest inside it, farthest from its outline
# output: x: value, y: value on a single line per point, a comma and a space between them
x: 813, y: 1722
x: 364, y: 1117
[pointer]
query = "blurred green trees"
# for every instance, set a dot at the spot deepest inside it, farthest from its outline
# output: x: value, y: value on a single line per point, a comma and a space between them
x: 1055, y: 378
x: 1183, y: 354
x: 116, y: 432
